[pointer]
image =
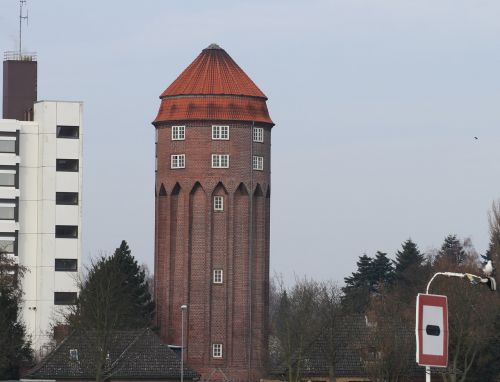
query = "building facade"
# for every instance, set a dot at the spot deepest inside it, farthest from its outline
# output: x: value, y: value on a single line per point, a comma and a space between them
x: 40, y: 199
x: 213, y: 161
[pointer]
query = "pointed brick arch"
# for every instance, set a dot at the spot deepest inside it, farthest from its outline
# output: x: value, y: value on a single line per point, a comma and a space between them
x: 177, y: 189
x: 162, y: 191
x: 258, y: 191
x: 195, y: 188
x: 220, y: 189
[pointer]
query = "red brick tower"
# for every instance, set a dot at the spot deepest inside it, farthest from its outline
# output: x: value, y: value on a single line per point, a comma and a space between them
x: 213, y: 156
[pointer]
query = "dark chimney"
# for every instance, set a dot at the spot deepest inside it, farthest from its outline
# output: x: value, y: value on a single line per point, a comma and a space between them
x: 19, y: 85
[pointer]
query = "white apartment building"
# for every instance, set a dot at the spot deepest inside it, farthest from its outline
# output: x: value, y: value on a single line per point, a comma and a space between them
x: 40, y: 210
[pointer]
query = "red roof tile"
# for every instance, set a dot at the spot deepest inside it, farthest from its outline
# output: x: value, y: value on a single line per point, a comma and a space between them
x: 213, y: 87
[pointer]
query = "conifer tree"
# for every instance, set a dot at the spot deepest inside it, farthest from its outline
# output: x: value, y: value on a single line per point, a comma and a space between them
x: 452, y: 250
x: 135, y: 284
x: 382, y: 270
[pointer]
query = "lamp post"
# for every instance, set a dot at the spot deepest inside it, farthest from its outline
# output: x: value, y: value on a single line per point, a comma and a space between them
x: 183, y: 309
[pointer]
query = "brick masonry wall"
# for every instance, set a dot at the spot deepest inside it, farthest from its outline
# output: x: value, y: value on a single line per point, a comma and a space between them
x: 192, y: 240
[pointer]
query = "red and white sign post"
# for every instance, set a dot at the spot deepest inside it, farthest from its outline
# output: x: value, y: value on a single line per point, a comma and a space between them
x: 432, y: 330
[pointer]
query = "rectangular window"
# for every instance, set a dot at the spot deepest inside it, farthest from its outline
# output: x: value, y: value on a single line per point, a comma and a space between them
x: 7, y: 145
x: 218, y: 203
x: 7, y: 211
x: 8, y: 178
x: 70, y: 165
x: 67, y: 198
x: 66, y: 231
x: 178, y: 161
x: 71, y: 132
x: 258, y: 163
x: 258, y: 134
x: 220, y: 132
x: 220, y: 161
x: 178, y: 133
x: 217, y: 350
x: 64, y: 298
x: 218, y: 276
x: 66, y: 265
x: 7, y: 245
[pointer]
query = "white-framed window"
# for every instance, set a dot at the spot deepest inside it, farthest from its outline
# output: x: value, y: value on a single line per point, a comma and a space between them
x: 218, y: 276
x: 220, y: 132
x: 258, y: 163
x: 217, y: 350
x: 178, y: 161
x: 220, y: 160
x: 218, y: 203
x: 258, y: 134
x: 178, y: 133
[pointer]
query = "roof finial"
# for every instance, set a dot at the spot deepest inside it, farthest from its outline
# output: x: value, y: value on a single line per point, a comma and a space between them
x: 213, y: 46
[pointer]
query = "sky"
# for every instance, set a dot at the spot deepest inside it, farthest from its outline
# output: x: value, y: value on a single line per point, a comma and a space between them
x: 376, y: 105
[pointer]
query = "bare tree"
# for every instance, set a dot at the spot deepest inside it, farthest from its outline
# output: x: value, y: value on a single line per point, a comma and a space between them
x: 296, y: 323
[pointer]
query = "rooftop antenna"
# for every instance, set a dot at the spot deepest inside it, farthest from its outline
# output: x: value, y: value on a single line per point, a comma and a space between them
x: 22, y: 16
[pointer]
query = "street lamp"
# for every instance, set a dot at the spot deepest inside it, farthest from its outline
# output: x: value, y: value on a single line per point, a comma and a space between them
x: 183, y: 309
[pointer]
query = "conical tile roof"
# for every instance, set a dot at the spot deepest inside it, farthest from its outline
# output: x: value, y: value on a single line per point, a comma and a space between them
x: 213, y: 87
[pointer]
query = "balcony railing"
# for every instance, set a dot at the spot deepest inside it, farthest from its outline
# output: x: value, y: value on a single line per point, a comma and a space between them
x: 19, y: 56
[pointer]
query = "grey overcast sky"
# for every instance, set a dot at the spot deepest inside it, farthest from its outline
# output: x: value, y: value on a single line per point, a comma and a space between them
x: 376, y: 105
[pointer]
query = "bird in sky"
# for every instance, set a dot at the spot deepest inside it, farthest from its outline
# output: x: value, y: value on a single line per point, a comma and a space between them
x: 476, y: 138
x: 488, y: 268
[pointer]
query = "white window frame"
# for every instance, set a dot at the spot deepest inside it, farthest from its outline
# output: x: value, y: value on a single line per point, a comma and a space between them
x: 218, y: 203
x: 218, y: 159
x: 220, y: 132
x: 217, y: 350
x: 258, y: 163
x: 177, y: 161
x: 258, y: 134
x: 178, y: 133
x: 218, y: 276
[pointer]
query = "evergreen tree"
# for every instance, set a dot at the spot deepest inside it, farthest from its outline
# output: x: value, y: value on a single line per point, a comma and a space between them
x: 382, y: 271
x: 408, y: 259
x: 135, y: 284
x: 15, y: 349
x: 359, y: 286
x: 452, y: 250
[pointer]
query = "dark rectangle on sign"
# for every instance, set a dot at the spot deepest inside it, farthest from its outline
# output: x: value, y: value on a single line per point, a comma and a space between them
x: 433, y: 330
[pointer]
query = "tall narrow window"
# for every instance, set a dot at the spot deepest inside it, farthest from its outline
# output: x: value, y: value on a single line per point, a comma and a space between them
x: 258, y: 163
x: 71, y: 132
x: 178, y: 161
x: 220, y: 160
x: 178, y: 133
x: 218, y: 203
x: 217, y: 350
x: 218, y: 276
x: 258, y: 134
x: 220, y: 132
x: 70, y: 165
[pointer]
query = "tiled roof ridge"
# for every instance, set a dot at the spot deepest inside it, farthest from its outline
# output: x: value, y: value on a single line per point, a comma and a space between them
x: 140, y: 332
x: 46, y: 359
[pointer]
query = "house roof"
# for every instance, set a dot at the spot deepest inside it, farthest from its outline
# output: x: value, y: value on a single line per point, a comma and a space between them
x: 352, y: 341
x: 213, y: 87
x: 135, y: 354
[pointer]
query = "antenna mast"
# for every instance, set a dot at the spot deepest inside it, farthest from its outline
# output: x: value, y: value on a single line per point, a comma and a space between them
x: 21, y: 18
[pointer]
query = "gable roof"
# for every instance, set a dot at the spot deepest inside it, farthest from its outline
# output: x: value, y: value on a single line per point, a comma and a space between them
x: 137, y: 354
